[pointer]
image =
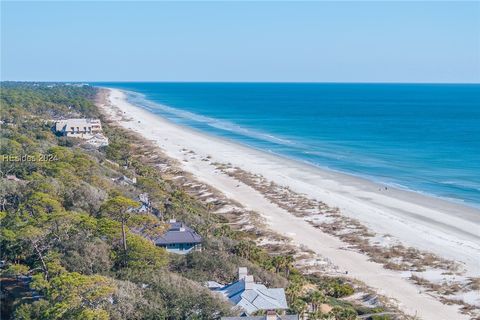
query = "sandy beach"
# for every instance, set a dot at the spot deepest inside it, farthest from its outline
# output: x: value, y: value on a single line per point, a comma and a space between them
x: 449, y: 230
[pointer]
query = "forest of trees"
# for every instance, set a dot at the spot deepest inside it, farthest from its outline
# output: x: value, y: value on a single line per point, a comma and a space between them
x: 62, y: 217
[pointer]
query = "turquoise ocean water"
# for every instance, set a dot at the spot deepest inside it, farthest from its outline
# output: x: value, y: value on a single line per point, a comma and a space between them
x: 422, y: 137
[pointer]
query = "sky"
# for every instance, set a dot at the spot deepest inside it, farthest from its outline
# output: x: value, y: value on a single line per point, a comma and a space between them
x: 269, y: 41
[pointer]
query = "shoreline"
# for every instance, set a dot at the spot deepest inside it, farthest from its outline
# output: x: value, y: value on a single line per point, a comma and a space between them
x: 441, y: 225
x: 363, y: 179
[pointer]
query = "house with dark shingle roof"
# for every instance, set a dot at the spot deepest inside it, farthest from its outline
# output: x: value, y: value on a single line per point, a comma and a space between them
x: 179, y: 239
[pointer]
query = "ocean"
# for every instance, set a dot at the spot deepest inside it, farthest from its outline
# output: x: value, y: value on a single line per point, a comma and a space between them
x: 421, y: 137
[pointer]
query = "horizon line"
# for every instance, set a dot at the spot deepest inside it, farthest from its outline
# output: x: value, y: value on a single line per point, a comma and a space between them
x: 253, y: 82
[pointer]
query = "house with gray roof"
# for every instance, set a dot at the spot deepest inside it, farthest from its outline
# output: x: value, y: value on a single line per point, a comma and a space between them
x: 251, y: 296
x: 179, y: 239
x: 271, y: 315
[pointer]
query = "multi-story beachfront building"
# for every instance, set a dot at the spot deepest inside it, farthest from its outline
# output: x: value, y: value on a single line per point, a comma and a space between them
x: 87, y: 129
x: 78, y: 128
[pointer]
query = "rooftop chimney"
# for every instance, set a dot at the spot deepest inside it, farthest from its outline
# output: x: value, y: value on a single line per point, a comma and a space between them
x: 172, y: 221
x: 242, y: 273
x: 248, y: 282
x: 271, y: 315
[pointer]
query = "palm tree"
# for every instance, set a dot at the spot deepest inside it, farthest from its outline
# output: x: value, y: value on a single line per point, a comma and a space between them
x: 343, y: 313
x: 294, y: 288
x: 316, y: 298
x: 247, y: 249
x: 208, y: 221
x: 278, y: 262
x: 288, y: 264
x: 299, y: 306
